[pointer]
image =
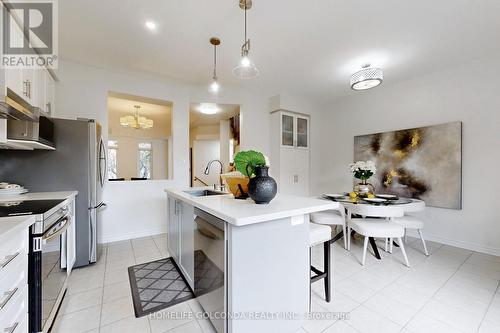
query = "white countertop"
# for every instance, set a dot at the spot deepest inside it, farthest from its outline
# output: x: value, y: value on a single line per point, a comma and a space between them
x: 40, y: 196
x: 14, y: 224
x: 245, y: 212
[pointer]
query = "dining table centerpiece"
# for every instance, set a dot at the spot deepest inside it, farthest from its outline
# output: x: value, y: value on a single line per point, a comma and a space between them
x: 363, y: 170
x: 262, y: 188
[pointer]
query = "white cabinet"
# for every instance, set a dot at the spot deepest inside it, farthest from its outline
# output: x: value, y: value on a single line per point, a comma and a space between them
x: 35, y: 86
x: 290, y: 142
x: 20, y: 81
x: 45, y: 92
x: 14, y: 281
x: 294, y: 130
x: 180, y: 236
x: 50, y: 94
x: 173, y: 229
x: 187, y: 242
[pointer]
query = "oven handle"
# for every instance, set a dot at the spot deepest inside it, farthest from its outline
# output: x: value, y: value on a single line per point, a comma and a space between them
x: 58, y: 229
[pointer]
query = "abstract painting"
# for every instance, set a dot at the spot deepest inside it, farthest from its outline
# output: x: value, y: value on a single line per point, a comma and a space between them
x: 423, y: 163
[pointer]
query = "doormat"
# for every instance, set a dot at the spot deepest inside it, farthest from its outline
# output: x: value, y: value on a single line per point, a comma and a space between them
x: 157, y: 285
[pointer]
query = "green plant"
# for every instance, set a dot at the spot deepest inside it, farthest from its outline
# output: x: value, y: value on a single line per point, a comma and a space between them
x: 250, y: 158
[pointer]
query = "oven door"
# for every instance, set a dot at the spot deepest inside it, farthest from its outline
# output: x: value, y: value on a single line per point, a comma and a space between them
x: 53, y: 270
x: 47, y: 275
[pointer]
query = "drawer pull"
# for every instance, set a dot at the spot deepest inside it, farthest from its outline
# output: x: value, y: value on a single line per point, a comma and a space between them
x: 11, y: 329
x: 8, y: 295
x: 8, y: 259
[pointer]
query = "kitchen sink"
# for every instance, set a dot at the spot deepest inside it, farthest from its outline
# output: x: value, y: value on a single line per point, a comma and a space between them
x: 204, y: 193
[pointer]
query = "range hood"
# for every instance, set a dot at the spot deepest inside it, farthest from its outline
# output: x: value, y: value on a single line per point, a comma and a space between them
x: 15, y: 107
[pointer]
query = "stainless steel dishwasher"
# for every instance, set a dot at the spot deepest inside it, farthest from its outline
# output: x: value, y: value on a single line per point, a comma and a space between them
x: 210, y: 267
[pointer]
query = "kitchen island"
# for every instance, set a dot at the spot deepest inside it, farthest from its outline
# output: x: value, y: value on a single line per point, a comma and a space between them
x: 259, y: 252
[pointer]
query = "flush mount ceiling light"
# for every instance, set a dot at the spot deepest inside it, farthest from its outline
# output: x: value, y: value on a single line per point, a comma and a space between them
x: 150, y: 25
x: 135, y: 121
x: 208, y: 108
x: 366, y: 78
x: 246, y: 69
x: 214, y: 87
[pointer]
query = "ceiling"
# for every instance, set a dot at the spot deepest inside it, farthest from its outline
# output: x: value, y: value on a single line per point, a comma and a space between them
x: 304, y: 47
x: 196, y: 118
x: 124, y: 104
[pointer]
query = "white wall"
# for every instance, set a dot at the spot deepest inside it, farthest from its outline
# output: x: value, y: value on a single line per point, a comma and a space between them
x: 128, y: 155
x: 134, y: 209
x: 469, y: 94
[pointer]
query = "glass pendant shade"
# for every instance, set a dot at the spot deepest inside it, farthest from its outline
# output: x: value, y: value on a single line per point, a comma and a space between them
x: 366, y: 78
x: 246, y: 69
x: 214, y: 87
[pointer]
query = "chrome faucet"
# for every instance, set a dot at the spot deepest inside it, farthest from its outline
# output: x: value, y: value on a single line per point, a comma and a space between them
x: 207, y: 171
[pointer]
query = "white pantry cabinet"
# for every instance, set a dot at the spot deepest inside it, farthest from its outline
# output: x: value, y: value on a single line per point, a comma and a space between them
x: 180, y: 236
x: 290, y: 142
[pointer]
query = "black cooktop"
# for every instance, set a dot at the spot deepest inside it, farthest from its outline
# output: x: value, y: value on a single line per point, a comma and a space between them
x: 28, y: 207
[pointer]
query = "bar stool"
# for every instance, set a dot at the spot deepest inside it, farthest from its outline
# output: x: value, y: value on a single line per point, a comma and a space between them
x: 321, y: 234
x: 332, y: 218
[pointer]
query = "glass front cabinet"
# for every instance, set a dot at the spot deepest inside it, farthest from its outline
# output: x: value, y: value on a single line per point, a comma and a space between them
x: 294, y: 130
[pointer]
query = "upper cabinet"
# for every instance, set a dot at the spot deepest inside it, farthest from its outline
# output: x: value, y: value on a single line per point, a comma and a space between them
x: 36, y: 86
x: 294, y: 130
x: 45, y: 92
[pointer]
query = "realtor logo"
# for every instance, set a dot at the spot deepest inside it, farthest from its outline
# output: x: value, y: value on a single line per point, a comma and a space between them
x: 29, y: 34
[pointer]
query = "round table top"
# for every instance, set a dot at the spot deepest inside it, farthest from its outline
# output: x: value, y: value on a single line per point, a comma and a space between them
x: 407, y: 204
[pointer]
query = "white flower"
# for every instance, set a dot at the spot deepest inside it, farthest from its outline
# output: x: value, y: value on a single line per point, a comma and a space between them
x: 268, y: 162
x: 363, y: 166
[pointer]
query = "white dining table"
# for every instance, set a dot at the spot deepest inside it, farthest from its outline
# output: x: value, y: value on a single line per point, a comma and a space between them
x: 406, y: 204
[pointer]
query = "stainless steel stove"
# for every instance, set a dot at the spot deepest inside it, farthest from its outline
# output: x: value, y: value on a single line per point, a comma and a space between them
x: 47, y: 256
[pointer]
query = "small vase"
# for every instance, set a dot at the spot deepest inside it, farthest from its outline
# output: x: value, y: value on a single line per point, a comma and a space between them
x: 364, y: 188
x: 262, y: 188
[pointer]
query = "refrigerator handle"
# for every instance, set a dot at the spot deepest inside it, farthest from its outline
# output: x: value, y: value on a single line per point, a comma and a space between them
x: 102, y: 158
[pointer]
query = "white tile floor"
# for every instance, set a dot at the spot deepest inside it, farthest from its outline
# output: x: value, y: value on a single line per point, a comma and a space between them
x: 452, y: 290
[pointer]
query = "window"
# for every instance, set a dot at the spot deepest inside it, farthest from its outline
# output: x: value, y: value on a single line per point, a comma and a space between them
x: 145, y: 160
x: 112, y: 159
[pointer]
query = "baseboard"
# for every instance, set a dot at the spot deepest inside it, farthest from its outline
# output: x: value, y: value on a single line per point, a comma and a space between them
x: 130, y: 235
x: 457, y: 243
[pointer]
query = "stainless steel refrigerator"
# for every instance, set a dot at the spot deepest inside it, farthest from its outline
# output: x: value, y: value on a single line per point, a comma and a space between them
x: 78, y: 163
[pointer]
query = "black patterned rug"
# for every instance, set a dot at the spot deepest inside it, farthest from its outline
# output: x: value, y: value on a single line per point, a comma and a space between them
x: 157, y: 285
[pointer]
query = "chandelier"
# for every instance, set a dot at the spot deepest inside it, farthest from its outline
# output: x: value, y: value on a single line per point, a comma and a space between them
x: 367, y: 78
x: 136, y: 121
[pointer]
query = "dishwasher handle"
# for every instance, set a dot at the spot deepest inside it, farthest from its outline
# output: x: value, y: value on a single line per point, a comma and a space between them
x: 210, y: 219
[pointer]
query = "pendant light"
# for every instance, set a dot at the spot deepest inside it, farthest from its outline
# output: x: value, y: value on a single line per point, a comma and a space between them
x: 246, y: 69
x: 367, y: 78
x: 214, y: 87
x: 135, y: 121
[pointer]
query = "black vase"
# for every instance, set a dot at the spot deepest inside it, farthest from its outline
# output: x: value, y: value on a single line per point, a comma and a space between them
x: 262, y: 188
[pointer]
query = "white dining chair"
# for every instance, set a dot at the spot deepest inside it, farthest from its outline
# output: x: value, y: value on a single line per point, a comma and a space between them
x: 378, y: 223
x: 332, y: 218
x: 413, y: 222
